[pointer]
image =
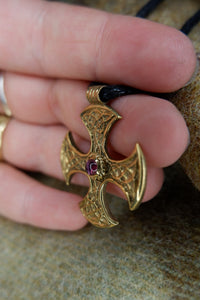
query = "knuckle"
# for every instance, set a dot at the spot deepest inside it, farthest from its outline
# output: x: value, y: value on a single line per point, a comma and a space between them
x: 102, y: 38
x: 39, y: 37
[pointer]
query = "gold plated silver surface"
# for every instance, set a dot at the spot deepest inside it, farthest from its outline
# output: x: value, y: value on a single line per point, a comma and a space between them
x: 3, y: 100
x: 3, y: 124
x: 129, y: 174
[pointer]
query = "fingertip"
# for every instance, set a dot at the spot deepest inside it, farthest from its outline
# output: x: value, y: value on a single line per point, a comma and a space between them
x: 156, y: 124
x: 155, y: 179
x: 164, y: 134
x: 77, y: 224
x: 67, y: 215
x: 181, y: 61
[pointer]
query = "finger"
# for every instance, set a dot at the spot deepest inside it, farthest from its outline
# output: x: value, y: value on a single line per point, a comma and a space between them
x: 26, y: 201
x: 38, y: 149
x: 29, y: 97
x: 59, y: 40
x: 153, y: 122
x: 156, y: 124
x: 155, y: 179
x: 30, y: 202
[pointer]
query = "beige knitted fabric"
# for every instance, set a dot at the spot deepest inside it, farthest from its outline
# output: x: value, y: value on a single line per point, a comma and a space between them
x: 152, y: 255
x: 188, y: 102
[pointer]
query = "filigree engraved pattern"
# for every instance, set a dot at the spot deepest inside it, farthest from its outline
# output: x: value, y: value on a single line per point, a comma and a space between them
x: 95, y: 211
x: 72, y: 160
x: 129, y: 174
x: 98, y: 119
x: 125, y: 174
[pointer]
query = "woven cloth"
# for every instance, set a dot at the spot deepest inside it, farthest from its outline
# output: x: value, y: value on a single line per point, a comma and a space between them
x: 152, y: 254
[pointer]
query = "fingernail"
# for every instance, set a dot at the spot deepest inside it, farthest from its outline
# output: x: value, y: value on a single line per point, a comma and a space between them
x: 195, y: 71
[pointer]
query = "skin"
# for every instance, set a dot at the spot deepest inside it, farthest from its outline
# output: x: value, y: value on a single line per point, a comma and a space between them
x: 49, y: 53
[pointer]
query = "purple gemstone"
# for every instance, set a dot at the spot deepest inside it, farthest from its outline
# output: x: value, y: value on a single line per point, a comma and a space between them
x: 91, y: 167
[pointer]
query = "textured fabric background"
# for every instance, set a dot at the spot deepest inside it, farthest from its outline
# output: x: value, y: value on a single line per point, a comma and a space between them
x: 152, y: 254
x: 187, y: 100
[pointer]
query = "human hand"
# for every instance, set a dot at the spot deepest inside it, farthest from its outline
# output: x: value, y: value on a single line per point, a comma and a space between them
x: 50, y: 52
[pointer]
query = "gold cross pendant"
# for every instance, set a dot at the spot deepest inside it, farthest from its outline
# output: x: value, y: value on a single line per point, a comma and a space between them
x: 129, y: 174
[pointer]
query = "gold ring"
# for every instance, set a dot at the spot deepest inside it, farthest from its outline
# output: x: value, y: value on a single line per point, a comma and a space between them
x: 3, y: 124
x: 3, y: 99
x: 129, y: 174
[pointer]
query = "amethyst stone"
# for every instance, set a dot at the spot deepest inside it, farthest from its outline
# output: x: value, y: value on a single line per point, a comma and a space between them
x: 91, y: 167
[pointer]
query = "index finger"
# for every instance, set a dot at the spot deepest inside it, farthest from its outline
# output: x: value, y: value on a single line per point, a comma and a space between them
x: 60, y: 40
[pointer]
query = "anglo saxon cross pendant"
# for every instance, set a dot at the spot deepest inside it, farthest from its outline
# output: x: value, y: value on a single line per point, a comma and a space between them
x: 129, y: 174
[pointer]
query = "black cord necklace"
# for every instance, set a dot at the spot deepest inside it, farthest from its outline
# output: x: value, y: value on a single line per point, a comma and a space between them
x: 110, y: 92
